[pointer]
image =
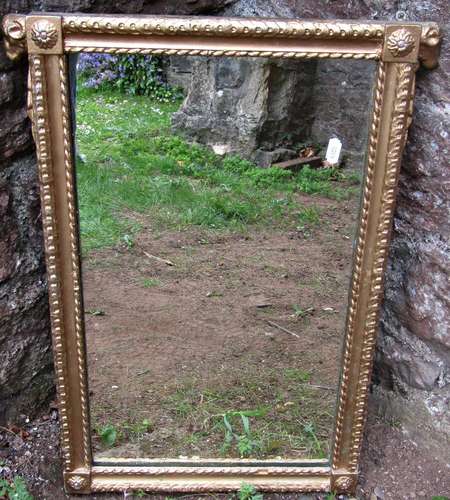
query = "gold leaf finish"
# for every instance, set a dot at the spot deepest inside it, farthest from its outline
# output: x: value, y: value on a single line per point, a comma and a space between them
x: 229, y: 27
x: 48, y: 206
x: 77, y: 482
x: 73, y: 225
x: 400, y: 43
x: 228, y: 53
x: 44, y: 34
x: 14, y: 30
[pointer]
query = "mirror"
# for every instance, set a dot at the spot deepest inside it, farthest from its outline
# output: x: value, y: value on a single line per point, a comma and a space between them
x: 217, y: 234
x: 217, y: 224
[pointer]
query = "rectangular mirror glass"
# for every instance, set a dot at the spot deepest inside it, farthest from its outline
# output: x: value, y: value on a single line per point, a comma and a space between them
x: 217, y: 228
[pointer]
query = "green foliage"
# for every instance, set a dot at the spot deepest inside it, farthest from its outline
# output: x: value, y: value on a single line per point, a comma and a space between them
x: 15, y: 489
x: 133, y: 165
x: 309, y: 215
x: 111, y: 434
x: 318, y: 181
x: 134, y: 74
x: 245, y: 443
x: 297, y: 375
x: 310, y: 431
x: 150, y: 282
x: 248, y: 492
x: 141, y: 75
x: 108, y: 435
x: 236, y: 164
x: 267, y: 177
x: 137, y: 429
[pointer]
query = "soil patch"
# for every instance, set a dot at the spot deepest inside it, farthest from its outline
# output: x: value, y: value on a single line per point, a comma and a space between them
x: 186, y: 327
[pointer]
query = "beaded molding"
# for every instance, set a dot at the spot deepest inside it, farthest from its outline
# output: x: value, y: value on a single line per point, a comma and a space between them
x: 154, y: 25
x: 43, y: 148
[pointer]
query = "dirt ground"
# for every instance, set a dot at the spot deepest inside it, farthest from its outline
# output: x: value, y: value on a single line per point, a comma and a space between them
x: 207, y: 332
x: 392, y: 467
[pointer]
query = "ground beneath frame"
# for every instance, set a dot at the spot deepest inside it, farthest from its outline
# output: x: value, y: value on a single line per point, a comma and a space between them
x: 392, y: 466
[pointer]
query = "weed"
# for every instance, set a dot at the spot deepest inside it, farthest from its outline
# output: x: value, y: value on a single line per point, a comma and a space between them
x: 150, y: 282
x: 311, y: 432
x: 297, y: 375
x: 440, y: 497
x: 302, y: 313
x: 128, y: 241
x: 267, y: 177
x: 309, y: 215
x: 108, y: 435
x: 15, y: 489
x: 248, y: 492
x: 95, y: 312
x: 138, y: 429
x: 111, y: 434
x: 245, y: 443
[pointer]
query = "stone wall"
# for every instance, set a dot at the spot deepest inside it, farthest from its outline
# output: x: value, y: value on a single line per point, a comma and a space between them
x: 413, y: 358
x: 246, y: 106
x: 286, y: 103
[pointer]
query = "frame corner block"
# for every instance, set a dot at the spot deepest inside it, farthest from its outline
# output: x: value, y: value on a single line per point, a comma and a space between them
x: 402, y: 43
x: 78, y: 481
x: 44, y: 34
x: 343, y: 482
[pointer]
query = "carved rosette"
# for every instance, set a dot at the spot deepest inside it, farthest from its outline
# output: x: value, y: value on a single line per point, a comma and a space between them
x: 400, y: 43
x: 44, y: 34
x: 344, y: 484
x: 77, y: 482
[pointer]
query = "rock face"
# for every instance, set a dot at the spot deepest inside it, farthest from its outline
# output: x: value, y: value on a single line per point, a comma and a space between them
x: 25, y: 351
x: 245, y: 106
x: 285, y: 103
x: 413, y: 357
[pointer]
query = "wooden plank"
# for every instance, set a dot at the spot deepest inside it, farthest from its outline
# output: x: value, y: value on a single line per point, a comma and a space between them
x: 298, y: 163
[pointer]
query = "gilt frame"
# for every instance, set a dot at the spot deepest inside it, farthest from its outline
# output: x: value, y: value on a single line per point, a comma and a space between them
x: 398, y: 48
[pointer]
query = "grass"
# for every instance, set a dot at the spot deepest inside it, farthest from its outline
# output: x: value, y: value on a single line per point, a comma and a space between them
x: 241, y: 417
x: 130, y: 165
x: 150, y: 282
x: 15, y: 489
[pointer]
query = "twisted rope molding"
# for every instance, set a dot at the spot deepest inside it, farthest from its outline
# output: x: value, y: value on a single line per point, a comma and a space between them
x: 41, y: 134
x: 229, y: 53
x: 207, y: 487
x: 228, y: 27
x: 397, y: 138
x: 211, y: 471
x: 73, y: 236
x: 358, y: 258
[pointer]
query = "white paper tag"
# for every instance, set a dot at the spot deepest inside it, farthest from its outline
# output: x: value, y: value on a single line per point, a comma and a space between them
x: 333, y: 156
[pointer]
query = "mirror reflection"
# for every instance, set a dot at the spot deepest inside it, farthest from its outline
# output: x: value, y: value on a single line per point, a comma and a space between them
x: 217, y: 223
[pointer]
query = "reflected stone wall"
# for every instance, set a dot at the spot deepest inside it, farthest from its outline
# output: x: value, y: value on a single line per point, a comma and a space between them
x: 262, y: 109
x: 413, y: 358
